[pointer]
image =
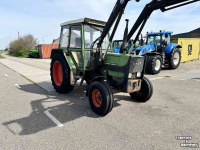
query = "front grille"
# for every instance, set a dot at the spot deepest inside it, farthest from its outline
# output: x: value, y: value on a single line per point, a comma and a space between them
x: 137, y: 64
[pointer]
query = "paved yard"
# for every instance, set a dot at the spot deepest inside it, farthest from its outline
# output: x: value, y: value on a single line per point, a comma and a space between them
x: 173, y: 111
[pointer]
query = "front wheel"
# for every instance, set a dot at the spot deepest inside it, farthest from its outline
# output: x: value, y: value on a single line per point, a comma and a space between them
x: 154, y: 64
x: 30, y: 56
x: 145, y: 93
x: 100, y: 97
x: 174, y: 59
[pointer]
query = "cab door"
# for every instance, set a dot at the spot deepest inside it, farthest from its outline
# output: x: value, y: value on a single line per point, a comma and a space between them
x: 75, y: 45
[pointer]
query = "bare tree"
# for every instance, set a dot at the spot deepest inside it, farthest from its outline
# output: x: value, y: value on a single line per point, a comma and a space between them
x: 25, y: 43
x: 29, y: 42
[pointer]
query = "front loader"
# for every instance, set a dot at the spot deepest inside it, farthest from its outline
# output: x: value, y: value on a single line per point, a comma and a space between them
x: 85, y: 54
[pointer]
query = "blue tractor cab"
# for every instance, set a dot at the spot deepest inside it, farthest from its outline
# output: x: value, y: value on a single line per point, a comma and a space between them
x: 160, y: 51
x: 118, y: 43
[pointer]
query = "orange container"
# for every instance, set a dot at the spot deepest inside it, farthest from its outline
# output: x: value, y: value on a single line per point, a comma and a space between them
x: 45, y: 50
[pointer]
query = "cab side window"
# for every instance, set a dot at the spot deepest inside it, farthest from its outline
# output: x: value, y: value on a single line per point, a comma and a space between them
x: 166, y: 39
x: 64, y: 37
x: 75, y: 37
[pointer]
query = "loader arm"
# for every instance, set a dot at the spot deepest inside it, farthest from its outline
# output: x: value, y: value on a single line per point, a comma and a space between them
x: 163, y: 5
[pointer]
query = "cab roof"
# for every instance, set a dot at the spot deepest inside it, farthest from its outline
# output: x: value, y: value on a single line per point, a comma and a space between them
x: 160, y: 33
x: 86, y: 21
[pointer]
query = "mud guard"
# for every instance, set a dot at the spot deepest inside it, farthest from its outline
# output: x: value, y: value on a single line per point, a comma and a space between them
x: 69, y: 61
x: 171, y: 47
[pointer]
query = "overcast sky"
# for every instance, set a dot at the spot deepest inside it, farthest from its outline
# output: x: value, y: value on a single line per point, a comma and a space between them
x: 42, y: 18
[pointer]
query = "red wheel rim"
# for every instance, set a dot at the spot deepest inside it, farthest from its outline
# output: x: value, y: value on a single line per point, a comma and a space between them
x: 97, y: 98
x: 57, y: 73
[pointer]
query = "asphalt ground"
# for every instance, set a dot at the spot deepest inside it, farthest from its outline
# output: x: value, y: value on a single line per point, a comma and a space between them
x: 172, y: 111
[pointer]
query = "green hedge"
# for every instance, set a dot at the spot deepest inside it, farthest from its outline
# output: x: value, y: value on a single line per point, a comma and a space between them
x: 21, y: 53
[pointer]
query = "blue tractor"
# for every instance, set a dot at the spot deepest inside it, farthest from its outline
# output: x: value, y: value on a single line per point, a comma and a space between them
x: 159, y: 51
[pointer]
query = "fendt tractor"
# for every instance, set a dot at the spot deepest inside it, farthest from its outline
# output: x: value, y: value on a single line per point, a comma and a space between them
x: 160, y: 51
x: 85, y: 53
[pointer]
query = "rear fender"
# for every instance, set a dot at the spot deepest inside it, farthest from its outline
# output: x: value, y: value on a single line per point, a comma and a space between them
x: 171, y: 47
x: 56, y: 51
x: 70, y: 62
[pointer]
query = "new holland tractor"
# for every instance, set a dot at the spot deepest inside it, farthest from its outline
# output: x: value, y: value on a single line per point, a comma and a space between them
x: 160, y: 51
x: 85, y: 53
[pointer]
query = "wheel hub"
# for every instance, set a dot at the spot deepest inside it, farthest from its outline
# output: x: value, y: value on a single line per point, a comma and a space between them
x: 97, y: 98
x: 157, y: 66
x: 176, y: 58
x: 57, y: 73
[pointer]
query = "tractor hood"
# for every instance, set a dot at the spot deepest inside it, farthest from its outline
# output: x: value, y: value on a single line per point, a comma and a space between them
x: 145, y: 48
x: 34, y: 50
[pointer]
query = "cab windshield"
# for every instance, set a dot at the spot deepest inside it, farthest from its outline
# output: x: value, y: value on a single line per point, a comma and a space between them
x: 154, y: 40
x: 91, y: 33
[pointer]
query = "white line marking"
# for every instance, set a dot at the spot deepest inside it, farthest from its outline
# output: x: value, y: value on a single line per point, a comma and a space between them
x: 17, y: 86
x: 6, y: 75
x: 58, y: 123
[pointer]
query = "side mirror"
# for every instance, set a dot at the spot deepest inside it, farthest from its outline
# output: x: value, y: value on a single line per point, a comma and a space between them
x: 166, y: 35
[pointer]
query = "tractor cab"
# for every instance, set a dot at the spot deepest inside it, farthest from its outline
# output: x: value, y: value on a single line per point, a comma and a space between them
x: 118, y: 43
x: 160, y: 40
x: 77, y: 37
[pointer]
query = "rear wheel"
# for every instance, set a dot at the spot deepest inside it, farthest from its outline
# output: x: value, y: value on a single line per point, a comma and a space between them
x: 145, y: 93
x: 174, y: 59
x: 36, y: 55
x: 154, y: 64
x: 100, y: 97
x: 60, y: 74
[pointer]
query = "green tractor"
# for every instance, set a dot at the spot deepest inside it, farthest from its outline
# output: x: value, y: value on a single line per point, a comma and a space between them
x: 34, y: 53
x: 85, y: 53
x: 75, y: 60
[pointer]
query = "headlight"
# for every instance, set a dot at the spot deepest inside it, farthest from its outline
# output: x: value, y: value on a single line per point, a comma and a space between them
x: 144, y: 51
x: 130, y: 75
x: 140, y: 53
x: 139, y: 74
x: 150, y: 50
